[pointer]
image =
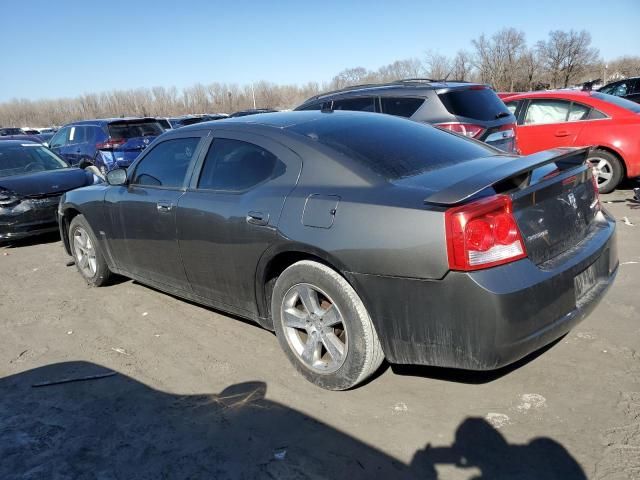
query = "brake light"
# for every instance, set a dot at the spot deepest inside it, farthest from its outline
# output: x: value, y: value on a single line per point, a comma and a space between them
x: 110, y: 144
x: 483, y: 234
x: 466, y: 129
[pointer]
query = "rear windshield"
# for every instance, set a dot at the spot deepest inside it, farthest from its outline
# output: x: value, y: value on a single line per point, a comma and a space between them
x: 479, y: 103
x: 128, y: 130
x: 27, y: 158
x: 391, y: 146
x: 619, y: 102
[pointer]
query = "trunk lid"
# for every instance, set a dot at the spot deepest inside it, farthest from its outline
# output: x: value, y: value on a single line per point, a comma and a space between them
x: 555, y: 200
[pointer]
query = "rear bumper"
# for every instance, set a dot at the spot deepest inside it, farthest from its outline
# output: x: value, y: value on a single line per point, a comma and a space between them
x: 490, y: 318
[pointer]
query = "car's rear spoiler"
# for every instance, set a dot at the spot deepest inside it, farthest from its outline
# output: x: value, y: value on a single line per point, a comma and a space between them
x: 467, y: 188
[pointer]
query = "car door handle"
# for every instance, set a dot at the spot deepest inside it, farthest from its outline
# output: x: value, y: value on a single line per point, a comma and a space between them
x: 164, y: 207
x: 258, y: 218
x: 562, y: 133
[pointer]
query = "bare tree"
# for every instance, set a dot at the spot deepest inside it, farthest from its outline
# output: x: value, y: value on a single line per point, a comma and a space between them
x: 462, y: 66
x: 438, y: 66
x: 497, y: 58
x: 567, y: 55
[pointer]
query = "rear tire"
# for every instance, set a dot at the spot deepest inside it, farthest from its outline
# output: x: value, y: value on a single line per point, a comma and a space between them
x: 607, y: 168
x: 323, y: 326
x: 87, y: 254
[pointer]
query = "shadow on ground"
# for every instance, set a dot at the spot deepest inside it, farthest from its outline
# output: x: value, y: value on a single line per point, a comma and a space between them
x: 30, y: 241
x: 116, y: 427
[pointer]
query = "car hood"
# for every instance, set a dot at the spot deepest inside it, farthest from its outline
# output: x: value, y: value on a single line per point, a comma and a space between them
x: 47, y: 183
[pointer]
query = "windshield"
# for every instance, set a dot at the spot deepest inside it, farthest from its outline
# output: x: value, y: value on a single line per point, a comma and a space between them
x: 27, y: 158
x: 125, y: 131
x: 617, y: 101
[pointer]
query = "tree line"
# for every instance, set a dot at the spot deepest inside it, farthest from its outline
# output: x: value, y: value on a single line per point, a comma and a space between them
x: 503, y: 60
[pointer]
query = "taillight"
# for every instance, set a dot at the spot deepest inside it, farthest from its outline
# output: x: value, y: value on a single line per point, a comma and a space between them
x: 483, y: 234
x: 110, y: 144
x: 466, y: 129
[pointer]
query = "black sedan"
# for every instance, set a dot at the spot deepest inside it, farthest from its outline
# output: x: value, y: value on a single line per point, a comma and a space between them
x: 356, y: 237
x: 32, y: 179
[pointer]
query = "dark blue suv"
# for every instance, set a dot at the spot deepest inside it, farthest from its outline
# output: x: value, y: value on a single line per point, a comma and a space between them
x: 102, y: 145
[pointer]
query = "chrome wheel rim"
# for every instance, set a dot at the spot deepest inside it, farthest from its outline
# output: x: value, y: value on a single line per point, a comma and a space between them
x: 602, y: 170
x: 314, y: 328
x: 85, y: 252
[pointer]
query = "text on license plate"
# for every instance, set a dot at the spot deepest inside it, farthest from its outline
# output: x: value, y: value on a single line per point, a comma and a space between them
x: 584, y: 281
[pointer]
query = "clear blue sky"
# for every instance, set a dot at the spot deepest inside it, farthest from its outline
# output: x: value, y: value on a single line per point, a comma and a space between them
x: 65, y: 48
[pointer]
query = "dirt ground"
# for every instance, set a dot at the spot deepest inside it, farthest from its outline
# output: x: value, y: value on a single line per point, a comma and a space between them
x: 198, y: 394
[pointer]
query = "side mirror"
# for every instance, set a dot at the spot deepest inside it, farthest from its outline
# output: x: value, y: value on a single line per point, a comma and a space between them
x: 117, y: 177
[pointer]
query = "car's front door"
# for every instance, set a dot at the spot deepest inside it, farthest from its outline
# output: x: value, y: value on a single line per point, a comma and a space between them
x: 143, y: 213
x: 59, y: 141
x: 228, y: 217
x: 548, y: 123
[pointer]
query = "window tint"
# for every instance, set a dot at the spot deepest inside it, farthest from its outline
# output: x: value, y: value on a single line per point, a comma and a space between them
x: 401, y: 107
x: 312, y: 106
x: 596, y: 115
x: 617, y: 101
x: 126, y: 130
x: 360, y: 104
x: 60, y: 138
x: 166, y: 165
x: 512, y: 106
x: 233, y: 165
x: 543, y: 111
x: 393, y: 147
x: 578, y: 112
x: 480, y: 103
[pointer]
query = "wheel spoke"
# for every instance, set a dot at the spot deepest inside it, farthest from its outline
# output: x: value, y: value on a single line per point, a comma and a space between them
x: 334, y: 346
x: 602, y: 164
x: 331, y: 317
x: 295, y: 318
x: 309, y: 298
x: 605, y: 175
x: 84, y: 261
x: 311, y: 351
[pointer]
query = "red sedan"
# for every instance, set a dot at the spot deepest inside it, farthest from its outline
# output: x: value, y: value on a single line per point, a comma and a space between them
x: 566, y: 118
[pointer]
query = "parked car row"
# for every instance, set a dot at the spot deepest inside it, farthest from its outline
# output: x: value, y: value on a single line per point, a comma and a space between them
x: 355, y: 236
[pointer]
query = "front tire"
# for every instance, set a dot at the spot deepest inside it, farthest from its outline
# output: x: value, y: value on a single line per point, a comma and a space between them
x: 608, y: 169
x: 87, y: 254
x: 323, y: 326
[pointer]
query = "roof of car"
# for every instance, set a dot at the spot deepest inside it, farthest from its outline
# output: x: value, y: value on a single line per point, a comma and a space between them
x: 14, y: 142
x: 408, y: 86
x: 577, y: 94
x: 106, y: 121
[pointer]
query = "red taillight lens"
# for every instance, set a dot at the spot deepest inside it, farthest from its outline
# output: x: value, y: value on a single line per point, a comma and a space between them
x: 483, y: 234
x: 466, y: 129
x: 110, y: 144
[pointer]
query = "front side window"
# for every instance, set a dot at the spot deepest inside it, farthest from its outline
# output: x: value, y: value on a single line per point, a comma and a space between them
x: 543, y: 111
x: 60, y: 138
x: 233, y: 165
x: 401, y: 107
x: 166, y: 165
x: 360, y: 104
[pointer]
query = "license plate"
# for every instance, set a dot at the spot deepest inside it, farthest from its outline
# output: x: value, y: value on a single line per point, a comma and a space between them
x: 584, y: 281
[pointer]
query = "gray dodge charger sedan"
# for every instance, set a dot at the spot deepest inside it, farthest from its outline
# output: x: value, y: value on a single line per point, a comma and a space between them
x: 356, y: 237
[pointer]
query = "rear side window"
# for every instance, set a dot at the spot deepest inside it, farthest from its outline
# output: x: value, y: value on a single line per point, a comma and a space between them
x: 479, y: 103
x: 166, y: 165
x: 233, y: 165
x: 393, y: 147
x: 617, y: 101
x: 578, y: 112
x: 401, y: 107
x: 544, y: 110
x: 127, y: 130
x: 360, y: 104
x: 596, y: 115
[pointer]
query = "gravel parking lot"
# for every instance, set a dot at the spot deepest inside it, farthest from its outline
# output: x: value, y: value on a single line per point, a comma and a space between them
x: 200, y: 395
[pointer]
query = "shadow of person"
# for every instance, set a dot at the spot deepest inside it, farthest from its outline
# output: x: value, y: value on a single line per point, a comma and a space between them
x: 117, y: 427
x: 479, y: 446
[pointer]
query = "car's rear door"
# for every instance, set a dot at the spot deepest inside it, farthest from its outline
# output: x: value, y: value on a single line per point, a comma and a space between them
x: 143, y: 213
x: 228, y: 216
x: 549, y: 123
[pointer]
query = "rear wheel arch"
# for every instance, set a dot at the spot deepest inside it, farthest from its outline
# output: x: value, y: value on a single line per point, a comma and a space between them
x: 274, y: 262
x: 69, y: 214
x: 612, y: 151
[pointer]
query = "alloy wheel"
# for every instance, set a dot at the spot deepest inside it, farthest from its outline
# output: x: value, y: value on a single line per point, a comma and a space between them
x: 603, y: 171
x: 85, y: 252
x: 314, y: 328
